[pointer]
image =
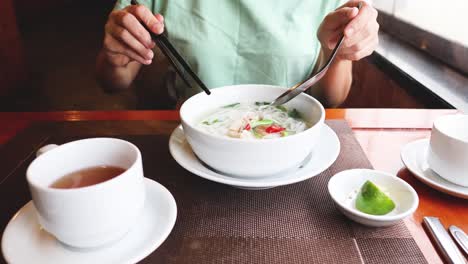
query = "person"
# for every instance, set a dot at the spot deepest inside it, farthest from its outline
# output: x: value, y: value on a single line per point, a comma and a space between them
x: 238, y: 42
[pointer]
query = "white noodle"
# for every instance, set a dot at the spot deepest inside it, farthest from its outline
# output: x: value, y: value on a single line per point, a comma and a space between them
x: 231, y: 121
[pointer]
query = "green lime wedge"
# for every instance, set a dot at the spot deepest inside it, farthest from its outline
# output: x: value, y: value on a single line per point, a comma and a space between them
x: 371, y: 200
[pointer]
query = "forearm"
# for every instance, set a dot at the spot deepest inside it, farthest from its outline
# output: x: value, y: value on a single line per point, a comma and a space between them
x: 334, y: 87
x: 114, y: 78
x: 356, y: 21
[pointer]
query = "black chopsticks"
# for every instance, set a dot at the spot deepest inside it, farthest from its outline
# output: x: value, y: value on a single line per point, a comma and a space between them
x: 175, y: 58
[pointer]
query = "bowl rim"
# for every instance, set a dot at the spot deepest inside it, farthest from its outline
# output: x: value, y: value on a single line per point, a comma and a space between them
x: 238, y: 140
x: 380, y: 218
x: 33, y: 182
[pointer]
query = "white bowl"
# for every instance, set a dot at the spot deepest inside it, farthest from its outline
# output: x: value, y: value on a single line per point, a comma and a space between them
x: 344, y: 187
x: 448, y: 148
x: 250, y: 158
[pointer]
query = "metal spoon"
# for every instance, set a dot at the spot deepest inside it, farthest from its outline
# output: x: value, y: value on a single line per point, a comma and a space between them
x: 303, y: 86
x: 461, y: 238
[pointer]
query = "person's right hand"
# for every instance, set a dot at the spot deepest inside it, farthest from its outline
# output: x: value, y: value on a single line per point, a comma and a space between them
x: 126, y: 39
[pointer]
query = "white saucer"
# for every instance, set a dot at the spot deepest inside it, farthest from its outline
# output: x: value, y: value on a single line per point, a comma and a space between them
x: 325, y: 153
x: 414, y: 156
x: 25, y: 242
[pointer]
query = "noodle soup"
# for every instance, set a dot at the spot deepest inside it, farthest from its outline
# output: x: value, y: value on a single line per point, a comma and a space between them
x: 257, y: 120
x: 207, y: 119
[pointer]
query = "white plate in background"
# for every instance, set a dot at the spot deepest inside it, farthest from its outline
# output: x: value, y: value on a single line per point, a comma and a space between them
x: 414, y: 156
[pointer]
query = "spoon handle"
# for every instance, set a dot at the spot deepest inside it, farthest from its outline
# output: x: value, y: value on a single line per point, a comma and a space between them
x: 461, y: 238
x: 447, y: 247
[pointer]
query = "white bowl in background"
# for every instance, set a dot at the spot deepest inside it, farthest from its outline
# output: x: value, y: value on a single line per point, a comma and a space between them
x: 344, y: 187
x: 250, y: 158
x: 448, y: 148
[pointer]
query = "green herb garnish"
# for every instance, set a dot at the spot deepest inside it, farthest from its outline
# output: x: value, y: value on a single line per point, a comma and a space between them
x: 231, y: 105
x: 263, y: 122
x: 295, y: 114
x: 282, y: 108
x: 261, y: 103
x: 256, y: 134
x: 212, y: 122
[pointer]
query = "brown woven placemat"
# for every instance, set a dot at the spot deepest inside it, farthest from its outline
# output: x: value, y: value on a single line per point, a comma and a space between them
x: 297, y: 223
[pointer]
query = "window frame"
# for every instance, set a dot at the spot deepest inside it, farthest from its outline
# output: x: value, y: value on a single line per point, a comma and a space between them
x: 449, y: 52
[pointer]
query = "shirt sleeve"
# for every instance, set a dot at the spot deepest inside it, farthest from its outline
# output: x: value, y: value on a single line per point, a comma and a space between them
x: 340, y: 3
x: 121, y: 4
x: 327, y: 7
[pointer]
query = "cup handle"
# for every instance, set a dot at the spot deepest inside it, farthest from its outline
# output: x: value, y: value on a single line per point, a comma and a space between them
x: 45, y: 148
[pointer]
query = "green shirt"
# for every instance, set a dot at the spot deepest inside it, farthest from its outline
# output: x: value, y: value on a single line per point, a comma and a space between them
x: 231, y: 42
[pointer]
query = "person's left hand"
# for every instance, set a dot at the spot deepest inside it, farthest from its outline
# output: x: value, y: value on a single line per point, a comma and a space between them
x: 360, y: 28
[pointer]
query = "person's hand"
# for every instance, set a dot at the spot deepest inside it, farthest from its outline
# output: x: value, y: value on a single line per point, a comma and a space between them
x: 126, y: 39
x: 360, y: 28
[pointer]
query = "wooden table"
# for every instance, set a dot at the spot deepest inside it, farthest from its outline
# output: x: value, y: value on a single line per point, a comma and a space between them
x: 381, y: 133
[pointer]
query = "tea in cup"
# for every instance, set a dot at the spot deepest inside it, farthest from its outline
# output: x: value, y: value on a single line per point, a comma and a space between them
x: 88, y: 193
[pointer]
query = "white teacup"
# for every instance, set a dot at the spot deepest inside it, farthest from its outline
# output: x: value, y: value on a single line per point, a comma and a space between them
x: 448, y: 148
x: 89, y: 216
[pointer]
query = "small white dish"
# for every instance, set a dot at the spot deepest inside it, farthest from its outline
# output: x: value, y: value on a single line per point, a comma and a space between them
x: 24, y: 241
x: 344, y: 187
x: 414, y: 156
x: 325, y: 153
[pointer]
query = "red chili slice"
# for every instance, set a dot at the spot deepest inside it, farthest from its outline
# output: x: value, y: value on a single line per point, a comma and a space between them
x: 247, y: 127
x: 274, y: 129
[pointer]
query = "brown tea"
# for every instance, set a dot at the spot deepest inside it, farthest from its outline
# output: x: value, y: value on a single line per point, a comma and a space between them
x: 86, y: 177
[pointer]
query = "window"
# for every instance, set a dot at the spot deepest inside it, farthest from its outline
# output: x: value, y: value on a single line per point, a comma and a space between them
x: 437, y: 27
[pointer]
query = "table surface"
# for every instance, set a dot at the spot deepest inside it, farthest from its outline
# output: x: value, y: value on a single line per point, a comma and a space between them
x: 380, y: 132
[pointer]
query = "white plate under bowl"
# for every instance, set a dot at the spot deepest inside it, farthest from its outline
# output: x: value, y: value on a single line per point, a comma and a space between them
x: 414, y: 156
x: 25, y: 242
x: 325, y: 153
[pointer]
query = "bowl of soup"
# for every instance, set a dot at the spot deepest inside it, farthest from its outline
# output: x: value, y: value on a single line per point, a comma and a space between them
x: 235, y: 130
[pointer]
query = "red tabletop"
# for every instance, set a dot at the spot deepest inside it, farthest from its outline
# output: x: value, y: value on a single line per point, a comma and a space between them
x: 380, y: 132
